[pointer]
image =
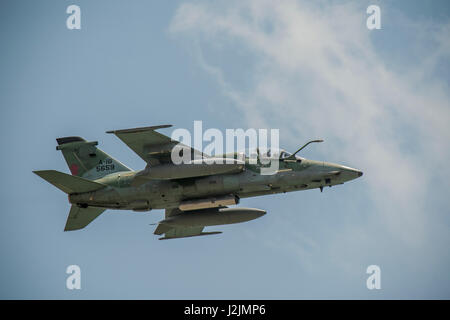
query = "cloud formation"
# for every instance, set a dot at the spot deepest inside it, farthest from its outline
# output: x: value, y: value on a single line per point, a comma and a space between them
x: 316, y: 71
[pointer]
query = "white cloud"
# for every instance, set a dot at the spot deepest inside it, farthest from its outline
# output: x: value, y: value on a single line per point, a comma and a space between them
x: 316, y: 73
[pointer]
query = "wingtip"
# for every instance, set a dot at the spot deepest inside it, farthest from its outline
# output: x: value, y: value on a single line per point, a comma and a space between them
x: 37, y: 172
x: 140, y: 129
x: 65, y: 140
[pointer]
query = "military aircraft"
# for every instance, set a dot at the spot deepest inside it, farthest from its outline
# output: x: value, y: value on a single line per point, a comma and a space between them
x: 194, y: 194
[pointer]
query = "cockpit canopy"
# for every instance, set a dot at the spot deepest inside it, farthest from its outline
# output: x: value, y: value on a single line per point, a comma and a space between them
x: 269, y: 153
x: 285, y: 154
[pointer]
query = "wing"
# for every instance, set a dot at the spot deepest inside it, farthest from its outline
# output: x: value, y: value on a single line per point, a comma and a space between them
x: 171, y: 232
x: 153, y: 147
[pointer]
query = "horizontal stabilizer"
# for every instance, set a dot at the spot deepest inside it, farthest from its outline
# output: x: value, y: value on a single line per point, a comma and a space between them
x: 68, y: 183
x: 80, y: 217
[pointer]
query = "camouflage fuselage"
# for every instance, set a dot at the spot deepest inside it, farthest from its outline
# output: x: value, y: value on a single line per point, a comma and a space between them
x: 301, y: 174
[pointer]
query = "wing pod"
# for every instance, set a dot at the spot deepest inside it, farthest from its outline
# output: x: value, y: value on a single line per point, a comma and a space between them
x: 169, y: 236
x: 213, y: 217
x: 212, y: 202
x: 179, y: 224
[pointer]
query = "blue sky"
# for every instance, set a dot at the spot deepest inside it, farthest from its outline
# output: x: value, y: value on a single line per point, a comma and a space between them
x: 379, y: 98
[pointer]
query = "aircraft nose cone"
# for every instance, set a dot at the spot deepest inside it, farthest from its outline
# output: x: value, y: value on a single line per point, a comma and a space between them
x: 350, y: 173
x: 356, y: 173
x: 260, y: 213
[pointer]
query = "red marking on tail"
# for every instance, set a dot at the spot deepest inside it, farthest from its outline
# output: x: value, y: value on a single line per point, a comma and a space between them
x: 74, y: 169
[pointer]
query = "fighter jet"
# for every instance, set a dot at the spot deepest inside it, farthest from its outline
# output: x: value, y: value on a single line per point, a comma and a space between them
x: 194, y: 194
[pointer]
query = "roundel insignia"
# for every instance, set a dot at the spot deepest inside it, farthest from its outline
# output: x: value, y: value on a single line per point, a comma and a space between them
x: 74, y: 169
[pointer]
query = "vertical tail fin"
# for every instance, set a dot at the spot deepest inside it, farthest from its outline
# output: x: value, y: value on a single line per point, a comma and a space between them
x: 86, y: 160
